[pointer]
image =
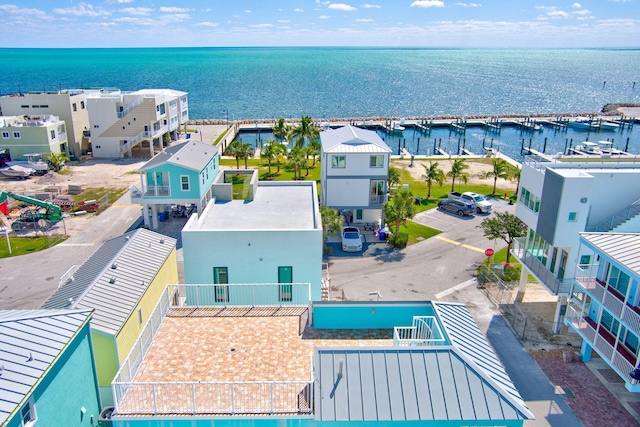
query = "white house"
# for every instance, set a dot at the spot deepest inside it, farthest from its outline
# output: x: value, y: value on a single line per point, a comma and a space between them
x: 355, y: 167
x: 557, y: 201
x: 121, y: 121
x: 69, y: 105
x: 274, y: 235
x: 32, y: 134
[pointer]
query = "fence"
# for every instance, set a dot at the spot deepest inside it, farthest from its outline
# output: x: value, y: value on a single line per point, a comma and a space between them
x: 525, y: 327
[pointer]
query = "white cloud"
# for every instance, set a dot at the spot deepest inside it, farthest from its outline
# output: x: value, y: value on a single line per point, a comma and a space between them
x: 324, y: 17
x: 469, y: 4
x: 427, y: 3
x: 342, y: 6
x: 81, y: 9
x: 174, y: 9
x: 297, y: 9
x: 577, y: 5
x: 553, y: 12
x: 364, y: 20
x: 371, y: 6
x: 206, y: 24
x: 261, y: 25
x: 248, y: 11
x: 17, y: 11
x: 207, y: 9
x: 119, y: 1
x: 582, y: 12
x: 283, y: 21
x: 163, y: 19
x: 619, y: 1
x: 136, y: 10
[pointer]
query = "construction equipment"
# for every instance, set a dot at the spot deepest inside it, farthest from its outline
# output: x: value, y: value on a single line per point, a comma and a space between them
x: 34, y: 219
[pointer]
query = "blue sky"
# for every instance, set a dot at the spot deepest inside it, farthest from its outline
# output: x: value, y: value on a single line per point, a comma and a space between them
x: 429, y: 23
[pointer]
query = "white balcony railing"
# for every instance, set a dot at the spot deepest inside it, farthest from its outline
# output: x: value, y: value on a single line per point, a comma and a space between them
x: 157, y: 191
x: 424, y: 332
x: 260, y: 397
x: 537, y: 268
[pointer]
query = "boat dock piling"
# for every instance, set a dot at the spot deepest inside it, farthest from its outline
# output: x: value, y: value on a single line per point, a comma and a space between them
x: 493, y: 125
x: 460, y: 125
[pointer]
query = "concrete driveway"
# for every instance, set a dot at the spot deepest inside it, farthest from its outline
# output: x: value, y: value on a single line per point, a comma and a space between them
x: 420, y: 271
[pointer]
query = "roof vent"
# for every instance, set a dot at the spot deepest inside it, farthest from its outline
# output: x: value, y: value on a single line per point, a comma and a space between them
x: 70, y: 301
x: 30, y: 359
x: 143, y: 283
x: 112, y: 280
x: 127, y: 238
x: 161, y: 241
x: 114, y: 265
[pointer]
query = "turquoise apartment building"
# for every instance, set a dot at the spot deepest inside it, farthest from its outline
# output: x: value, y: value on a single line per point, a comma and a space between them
x: 181, y: 174
x: 47, y: 373
x: 604, y: 306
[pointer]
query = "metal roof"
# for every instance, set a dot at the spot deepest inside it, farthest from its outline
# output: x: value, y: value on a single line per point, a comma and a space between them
x: 405, y: 384
x: 189, y: 154
x: 621, y: 247
x: 114, y: 279
x: 30, y: 342
x: 350, y: 139
x: 462, y: 381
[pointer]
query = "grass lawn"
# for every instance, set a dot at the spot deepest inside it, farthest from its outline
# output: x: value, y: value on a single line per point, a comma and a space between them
x: 27, y: 245
x: 417, y: 232
x: 97, y: 193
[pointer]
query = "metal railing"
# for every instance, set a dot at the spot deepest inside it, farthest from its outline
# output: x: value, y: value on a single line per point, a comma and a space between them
x: 616, y: 219
x: 424, y: 332
x: 232, y: 398
x: 129, y: 108
x: 131, y: 142
x: 157, y: 190
x: 264, y: 397
x: 538, y: 269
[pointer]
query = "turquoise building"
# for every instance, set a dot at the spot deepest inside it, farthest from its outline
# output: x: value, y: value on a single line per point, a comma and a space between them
x: 181, y: 174
x: 604, y: 307
x: 47, y: 373
x: 400, y: 363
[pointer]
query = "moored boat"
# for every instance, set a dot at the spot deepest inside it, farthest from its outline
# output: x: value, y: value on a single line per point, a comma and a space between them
x: 17, y: 172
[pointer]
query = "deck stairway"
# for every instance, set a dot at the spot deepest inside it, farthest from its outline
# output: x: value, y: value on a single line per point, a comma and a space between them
x: 617, y: 219
x: 425, y: 331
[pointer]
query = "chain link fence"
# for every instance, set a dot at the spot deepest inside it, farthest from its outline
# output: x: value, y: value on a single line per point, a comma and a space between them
x: 527, y: 326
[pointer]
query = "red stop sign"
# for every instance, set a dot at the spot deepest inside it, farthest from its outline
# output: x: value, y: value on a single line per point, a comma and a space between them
x: 488, y: 252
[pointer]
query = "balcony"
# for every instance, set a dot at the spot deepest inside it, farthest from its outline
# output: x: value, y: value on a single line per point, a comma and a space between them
x: 156, y: 191
x: 538, y: 269
x: 425, y: 331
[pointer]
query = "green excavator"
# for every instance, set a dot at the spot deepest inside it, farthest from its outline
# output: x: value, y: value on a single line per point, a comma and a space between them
x: 33, y: 219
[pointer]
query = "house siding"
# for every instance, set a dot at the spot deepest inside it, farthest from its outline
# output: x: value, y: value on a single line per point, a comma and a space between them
x: 69, y: 386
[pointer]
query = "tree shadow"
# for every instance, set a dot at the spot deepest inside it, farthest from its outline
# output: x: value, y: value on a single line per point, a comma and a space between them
x: 388, y: 254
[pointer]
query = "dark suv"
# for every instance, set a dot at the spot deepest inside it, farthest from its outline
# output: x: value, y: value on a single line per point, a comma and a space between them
x: 458, y: 207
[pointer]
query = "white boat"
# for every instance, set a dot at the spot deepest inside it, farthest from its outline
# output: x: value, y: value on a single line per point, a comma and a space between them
x: 589, y: 147
x: 17, y: 172
x: 584, y: 125
x: 607, y: 148
x: 396, y: 127
x: 34, y: 161
x: 604, y: 125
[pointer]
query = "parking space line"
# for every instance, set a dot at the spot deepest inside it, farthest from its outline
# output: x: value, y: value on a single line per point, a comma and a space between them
x: 464, y: 245
x: 454, y: 289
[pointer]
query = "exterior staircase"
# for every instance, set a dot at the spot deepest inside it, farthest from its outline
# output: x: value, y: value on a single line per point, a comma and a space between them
x: 617, y: 219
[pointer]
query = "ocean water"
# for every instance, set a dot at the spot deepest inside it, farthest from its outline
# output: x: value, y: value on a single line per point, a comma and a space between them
x: 256, y: 83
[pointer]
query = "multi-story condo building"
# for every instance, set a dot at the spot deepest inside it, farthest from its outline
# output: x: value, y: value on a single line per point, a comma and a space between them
x: 355, y: 168
x: 558, y: 200
x: 604, y: 307
x: 124, y: 124
x: 69, y: 105
x: 32, y: 134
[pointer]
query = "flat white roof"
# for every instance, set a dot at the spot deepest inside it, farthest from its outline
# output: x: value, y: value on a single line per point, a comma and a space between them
x: 285, y: 206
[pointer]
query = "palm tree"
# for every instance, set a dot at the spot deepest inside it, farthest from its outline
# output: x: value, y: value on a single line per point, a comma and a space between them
x: 317, y: 148
x: 305, y: 130
x: 458, y: 168
x: 280, y: 150
x: 57, y: 161
x: 515, y: 174
x: 297, y: 161
x: 331, y: 221
x: 399, y: 208
x: 281, y: 128
x: 393, y: 177
x: 432, y: 173
x: 240, y: 150
x: 501, y: 169
x: 268, y: 153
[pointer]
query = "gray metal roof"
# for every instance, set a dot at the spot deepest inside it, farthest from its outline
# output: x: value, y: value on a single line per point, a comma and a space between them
x: 190, y: 154
x: 464, y: 334
x: 137, y: 256
x: 405, y: 384
x: 30, y: 342
x: 624, y: 248
x: 350, y: 139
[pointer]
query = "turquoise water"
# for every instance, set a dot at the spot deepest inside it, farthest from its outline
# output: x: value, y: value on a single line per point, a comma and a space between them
x: 254, y: 83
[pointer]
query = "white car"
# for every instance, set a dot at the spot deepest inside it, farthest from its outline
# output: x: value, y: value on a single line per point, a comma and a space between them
x: 351, y: 239
x: 482, y: 204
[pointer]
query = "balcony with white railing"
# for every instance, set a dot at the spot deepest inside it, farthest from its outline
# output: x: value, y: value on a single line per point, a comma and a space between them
x: 539, y: 270
x: 424, y: 332
x: 210, y: 350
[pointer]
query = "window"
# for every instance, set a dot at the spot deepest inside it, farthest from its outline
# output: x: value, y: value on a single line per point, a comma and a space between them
x: 82, y: 105
x: 618, y: 279
x: 184, y: 182
x: 53, y: 134
x: 285, y: 292
x: 16, y: 135
x: 585, y: 260
x: 221, y: 277
x: 140, y: 317
x: 74, y: 106
x: 530, y: 200
x: 359, y: 214
x: 24, y: 106
x: 5, y: 135
x: 376, y: 161
x: 338, y: 161
x: 96, y: 126
x: 160, y: 108
x: 573, y: 216
x: 376, y: 191
x: 28, y: 414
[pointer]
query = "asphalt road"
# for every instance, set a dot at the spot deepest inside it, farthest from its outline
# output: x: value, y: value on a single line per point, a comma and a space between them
x: 420, y: 271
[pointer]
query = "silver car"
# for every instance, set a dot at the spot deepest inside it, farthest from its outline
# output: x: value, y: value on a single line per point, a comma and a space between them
x: 351, y: 239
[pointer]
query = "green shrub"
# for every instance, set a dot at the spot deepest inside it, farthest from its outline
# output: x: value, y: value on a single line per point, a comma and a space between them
x: 398, y: 241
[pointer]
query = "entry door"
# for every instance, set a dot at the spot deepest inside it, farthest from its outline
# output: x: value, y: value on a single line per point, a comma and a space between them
x: 563, y: 265
x: 221, y: 276
x: 285, y: 292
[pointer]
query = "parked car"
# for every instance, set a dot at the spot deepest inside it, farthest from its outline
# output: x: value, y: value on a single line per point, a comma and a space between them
x: 351, y: 239
x: 481, y: 204
x: 459, y: 207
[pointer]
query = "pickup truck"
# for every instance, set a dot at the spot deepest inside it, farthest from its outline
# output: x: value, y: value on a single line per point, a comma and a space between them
x: 482, y: 204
